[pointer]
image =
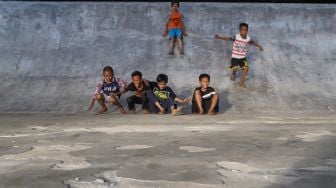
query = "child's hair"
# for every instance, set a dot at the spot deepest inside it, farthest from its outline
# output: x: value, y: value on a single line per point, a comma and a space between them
x: 162, y: 78
x: 173, y: 2
x: 204, y: 76
x: 108, y: 68
x: 137, y: 73
x: 243, y: 25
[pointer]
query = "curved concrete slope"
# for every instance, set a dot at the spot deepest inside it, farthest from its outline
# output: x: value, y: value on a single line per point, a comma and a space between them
x: 52, y: 54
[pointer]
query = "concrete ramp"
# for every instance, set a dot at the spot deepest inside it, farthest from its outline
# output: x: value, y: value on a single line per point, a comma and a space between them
x: 52, y: 54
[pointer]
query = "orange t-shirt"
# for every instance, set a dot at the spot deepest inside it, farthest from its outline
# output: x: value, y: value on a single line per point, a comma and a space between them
x: 175, y: 20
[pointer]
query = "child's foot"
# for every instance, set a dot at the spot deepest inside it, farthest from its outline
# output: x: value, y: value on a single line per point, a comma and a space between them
x: 232, y: 77
x: 146, y: 111
x: 102, y: 110
x: 176, y: 110
x: 171, y: 52
x: 122, y: 110
x: 242, y: 84
x: 161, y: 111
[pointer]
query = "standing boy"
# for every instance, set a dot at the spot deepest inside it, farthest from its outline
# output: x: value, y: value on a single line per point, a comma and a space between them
x: 175, y: 28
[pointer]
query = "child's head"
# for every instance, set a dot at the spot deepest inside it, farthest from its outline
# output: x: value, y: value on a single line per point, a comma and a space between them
x: 175, y: 5
x: 204, y: 80
x: 108, y: 73
x: 162, y: 81
x: 136, y: 78
x: 243, y: 29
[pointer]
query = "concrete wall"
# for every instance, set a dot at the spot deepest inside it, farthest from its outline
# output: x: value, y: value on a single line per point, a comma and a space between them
x: 52, y: 54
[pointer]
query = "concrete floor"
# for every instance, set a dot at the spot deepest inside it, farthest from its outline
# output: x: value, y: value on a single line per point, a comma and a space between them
x: 112, y: 150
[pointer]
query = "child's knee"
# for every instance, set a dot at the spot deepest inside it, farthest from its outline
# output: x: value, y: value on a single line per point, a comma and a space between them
x: 99, y: 96
x: 113, y: 100
x: 235, y: 68
x: 245, y: 69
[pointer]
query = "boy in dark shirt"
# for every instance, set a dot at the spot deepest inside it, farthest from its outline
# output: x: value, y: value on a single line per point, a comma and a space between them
x: 162, y: 98
x: 139, y: 87
x: 205, y: 98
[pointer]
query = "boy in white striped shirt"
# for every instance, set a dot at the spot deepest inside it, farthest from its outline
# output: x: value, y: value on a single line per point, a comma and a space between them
x: 239, y: 52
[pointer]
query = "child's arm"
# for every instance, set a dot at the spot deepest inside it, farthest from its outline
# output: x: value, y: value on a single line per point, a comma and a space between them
x: 186, y: 100
x: 165, y: 33
x: 91, y: 105
x: 93, y: 98
x: 226, y: 38
x: 123, y: 88
x: 254, y: 43
x: 183, y: 26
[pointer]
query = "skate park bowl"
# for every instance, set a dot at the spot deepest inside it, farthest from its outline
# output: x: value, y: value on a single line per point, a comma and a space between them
x: 53, y: 53
x: 279, y: 131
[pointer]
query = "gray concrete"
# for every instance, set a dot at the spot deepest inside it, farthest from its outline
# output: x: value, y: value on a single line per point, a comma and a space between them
x: 52, y: 54
x: 77, y: 150
x: 279, y: 132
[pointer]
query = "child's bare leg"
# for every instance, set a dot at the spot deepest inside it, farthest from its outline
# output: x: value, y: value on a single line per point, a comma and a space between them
x: 243, y: 77
x: 198, y: 100
x: 179, y: 41
x: 161, y: 109
x: 101, y: 100
x: 116, y: 102
x: 174, y: 110
x: 233, y: 75
x: 146, y: 111
x: 214, y: 102
x: 171, y: 46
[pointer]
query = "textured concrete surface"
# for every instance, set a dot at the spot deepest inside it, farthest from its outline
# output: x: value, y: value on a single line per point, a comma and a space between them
x: 52, y: 54
x: 249, y: 150
x: 279, y: 132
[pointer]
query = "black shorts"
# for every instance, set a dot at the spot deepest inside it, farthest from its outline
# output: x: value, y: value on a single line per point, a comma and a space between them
x: 243, y: 63
x: 206, y: 104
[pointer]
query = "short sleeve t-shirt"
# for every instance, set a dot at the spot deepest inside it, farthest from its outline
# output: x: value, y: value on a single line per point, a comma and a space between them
x: 175, y: 20
x: 106, y: 88
x: 207, y: 94
x: 137, y: 92
x: 239, y: 47
x: 162, y: 94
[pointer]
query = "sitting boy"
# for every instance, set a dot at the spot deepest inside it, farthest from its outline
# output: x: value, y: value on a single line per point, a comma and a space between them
x: 162, y: 98
x: 205, y: 98
x: 139, y: 87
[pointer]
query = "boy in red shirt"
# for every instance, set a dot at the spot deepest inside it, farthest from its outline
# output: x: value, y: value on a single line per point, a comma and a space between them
x: 175, y: 28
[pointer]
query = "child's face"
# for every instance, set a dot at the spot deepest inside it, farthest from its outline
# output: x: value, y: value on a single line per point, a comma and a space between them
x: 162, y: 85
x: 243, y: 31
x: 108, y: 76
x: 175, y: 7
x: 204, y: 82
x: 137, y: 81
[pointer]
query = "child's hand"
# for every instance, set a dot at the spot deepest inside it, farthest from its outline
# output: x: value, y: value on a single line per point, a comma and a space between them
x: 185, y: 34
x: 113, y: 94
x: 164, y: 34
x: 91, y: 105
x: 216, y: 36
x: 186, y: 100
x: 261, y: 48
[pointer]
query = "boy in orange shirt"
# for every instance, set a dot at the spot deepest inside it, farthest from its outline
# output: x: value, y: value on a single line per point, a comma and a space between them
x: 175, y: 28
